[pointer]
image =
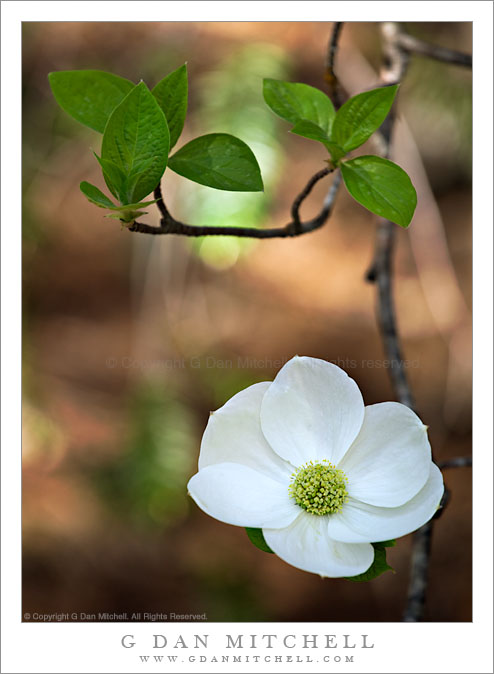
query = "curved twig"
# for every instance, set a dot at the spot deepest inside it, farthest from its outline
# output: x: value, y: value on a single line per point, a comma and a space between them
x: 296, y: 227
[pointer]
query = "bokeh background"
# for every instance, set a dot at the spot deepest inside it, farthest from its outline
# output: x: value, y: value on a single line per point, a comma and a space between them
x: 129, y: 341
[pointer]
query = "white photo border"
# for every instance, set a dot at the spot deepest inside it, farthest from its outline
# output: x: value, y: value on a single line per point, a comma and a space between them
x: 97, y: 647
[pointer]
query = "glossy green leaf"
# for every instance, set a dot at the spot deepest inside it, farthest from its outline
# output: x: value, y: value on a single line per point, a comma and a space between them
x: 171, y: 94
x: 294, y: 101
x: 95, y: 195
x: 382, y: 187
x: 89, y: 96
x: 378, y: 566
x: 257, y: 538
x: 118, y: 183
x: 310, y: 130
x: 115, y: 178
x: 218, y: 160
x: 140, y: 204
x: 133, y: 185
x: 127, y: 216
x: 137, y: 141
x: 361, y: 115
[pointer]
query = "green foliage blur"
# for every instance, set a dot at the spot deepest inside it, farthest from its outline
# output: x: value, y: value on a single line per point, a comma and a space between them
x: 145, y: 485
x: 229, y: 99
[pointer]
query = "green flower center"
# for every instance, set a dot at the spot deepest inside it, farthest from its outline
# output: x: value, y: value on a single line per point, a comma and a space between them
x: 319, y: 488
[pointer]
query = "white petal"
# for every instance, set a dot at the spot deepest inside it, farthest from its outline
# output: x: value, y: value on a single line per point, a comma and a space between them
x: 233, y: 435
x: 312, y: 411
x: 306, y: 545
x: 238, y: 495
x: 359, y: 522
x: 389, y: 462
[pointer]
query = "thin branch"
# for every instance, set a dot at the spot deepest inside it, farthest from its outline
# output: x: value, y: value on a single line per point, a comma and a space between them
x: 330, y: 76
x: 415, y: 46
x: 333, y: 46
x: 419, y: 572
x: 457, y: 462
x: 296, y: 227
x: 381, y: 270
x: 381, y: 274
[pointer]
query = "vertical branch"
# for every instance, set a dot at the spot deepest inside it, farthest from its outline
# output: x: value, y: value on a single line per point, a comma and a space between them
x: 419, y: 571
x: 381, y: 273
x: 330, y: 76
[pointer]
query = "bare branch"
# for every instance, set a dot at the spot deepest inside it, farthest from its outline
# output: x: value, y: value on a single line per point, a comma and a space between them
x: 421, y: 550
x: 381, y: 274
x: 415, y: 46
x: 330, y: 77
x: 419, y: 572
x: 295, y: 227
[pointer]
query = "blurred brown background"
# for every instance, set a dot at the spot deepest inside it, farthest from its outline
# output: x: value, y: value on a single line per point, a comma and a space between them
x: 129, y: 341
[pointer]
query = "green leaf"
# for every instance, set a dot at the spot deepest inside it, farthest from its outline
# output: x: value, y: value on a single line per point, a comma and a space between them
x: 137, y: 141
x: 95, y: 195
x: 115, y: 178
x: 89, y: 96
x: 118, y: 183
x: 378, y: 566
x: 257, y: 537
x: 171, y: 94
x: 133, y: 184
x: 382, y: 187
x: 219, y: 160
x: 361, y: 115
x: 140, y: 204
x: 310, y: 130
x: 295, y: 101
x: 127, y: 216
x: 385, y: 544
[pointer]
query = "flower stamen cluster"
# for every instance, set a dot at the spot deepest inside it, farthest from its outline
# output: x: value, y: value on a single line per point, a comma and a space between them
x: 319, y: 488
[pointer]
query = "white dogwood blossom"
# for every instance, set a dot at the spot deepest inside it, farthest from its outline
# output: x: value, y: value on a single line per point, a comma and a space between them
x: 322, y: 475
